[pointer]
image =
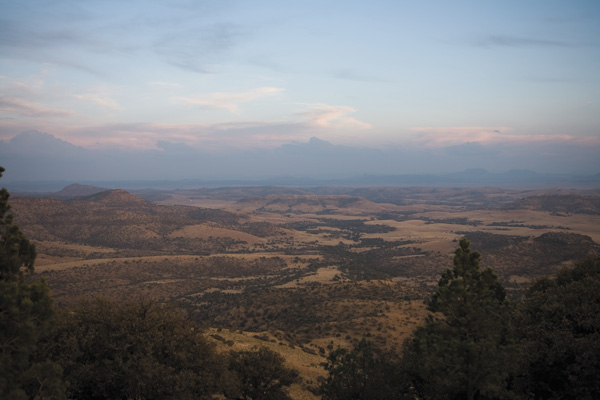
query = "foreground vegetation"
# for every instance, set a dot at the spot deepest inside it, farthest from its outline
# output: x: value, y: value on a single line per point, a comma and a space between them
x: 106, y: 350
x: 475, y: 344
x: 478, y: 345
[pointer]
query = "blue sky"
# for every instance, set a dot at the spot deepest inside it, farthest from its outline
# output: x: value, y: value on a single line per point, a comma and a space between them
x: 227, y: 76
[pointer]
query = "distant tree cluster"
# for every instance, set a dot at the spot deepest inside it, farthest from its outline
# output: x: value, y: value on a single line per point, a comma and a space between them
x: 477, y: 344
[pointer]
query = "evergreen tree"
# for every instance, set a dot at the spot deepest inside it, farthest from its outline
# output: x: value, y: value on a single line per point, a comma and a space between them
x: 560, y: 334
x: 26, y: 313
x: 463, y: 351
x: 134, y: 350
x: 259, y: 375
x: 17, y: 253
x: 361, y: 375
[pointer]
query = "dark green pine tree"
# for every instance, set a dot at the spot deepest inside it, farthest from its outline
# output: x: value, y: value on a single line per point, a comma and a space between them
x: 259, y: 375
x: 17, y: 253
x: 463, y: 351
x: 559, y: 332
x: 25, y: 315
x: 134, y: 350
x: 360, y: 374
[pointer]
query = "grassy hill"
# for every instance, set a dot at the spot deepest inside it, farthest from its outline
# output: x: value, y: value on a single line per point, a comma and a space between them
x: 558, y: 204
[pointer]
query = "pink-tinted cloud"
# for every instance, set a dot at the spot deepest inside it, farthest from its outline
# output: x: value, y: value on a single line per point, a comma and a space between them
x: 485, y: 135
x: 228, y: 100
x: 328, y: 116
x: 28, y: 86
x: 204, y: 137
x: 100, y: 99
x: 10, y: 106
x: 319, y: 120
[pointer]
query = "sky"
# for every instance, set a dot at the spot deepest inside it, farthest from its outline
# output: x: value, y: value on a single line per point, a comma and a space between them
x: 392, y: 86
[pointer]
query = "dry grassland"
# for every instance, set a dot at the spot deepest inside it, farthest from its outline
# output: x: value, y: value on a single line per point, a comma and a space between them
x: 308, y: 365
x: 298, y: 273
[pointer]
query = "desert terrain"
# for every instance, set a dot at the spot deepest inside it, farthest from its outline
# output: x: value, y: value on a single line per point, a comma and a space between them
x: 300, y: 270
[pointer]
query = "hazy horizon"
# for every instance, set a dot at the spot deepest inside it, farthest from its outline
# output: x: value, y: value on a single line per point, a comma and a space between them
x: 315, y: 163
x: 105, y: 90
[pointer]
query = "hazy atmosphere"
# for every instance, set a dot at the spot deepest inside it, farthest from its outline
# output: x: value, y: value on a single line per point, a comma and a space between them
x: 110, y: 90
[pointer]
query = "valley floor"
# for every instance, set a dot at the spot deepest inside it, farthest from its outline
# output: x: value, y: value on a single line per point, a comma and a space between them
x: 301, y: 273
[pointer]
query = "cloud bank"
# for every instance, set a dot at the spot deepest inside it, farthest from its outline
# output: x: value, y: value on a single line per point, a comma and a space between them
x: 36, y: 156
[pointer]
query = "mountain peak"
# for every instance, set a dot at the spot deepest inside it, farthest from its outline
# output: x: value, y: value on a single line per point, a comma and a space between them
x: 77, y: 190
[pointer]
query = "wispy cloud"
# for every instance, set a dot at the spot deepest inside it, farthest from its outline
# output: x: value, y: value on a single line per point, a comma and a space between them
x: 519, y: 41
x: 351, y: 75
x: 18, y: 88
x: 196, y: 49
x: 458, y: 135
x: 100, y: 99
x: 314, y: 120
x: 15, y: 34
x: 328, y: 116
x: 41, y: 42
x: 228, y: 100
x: 203, y: 137
x: 167, y: 84
x: 65, y: 34
x: 454, y: 135
x: 18, y: 107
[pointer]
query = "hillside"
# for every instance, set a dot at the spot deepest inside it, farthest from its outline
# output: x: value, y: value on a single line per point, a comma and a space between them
x: 361, y: 238
x: 119, y: 220
x: 76, y: 190
x: 508, y: 254
x: 558, y: 204
x: 114, y: 198
x: 295, y: 270
x: 305, y: 204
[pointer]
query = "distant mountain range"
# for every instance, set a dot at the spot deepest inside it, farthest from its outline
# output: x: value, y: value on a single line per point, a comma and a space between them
x: 76, y: 190
x: 523, y: 180
x: 37, y: 161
